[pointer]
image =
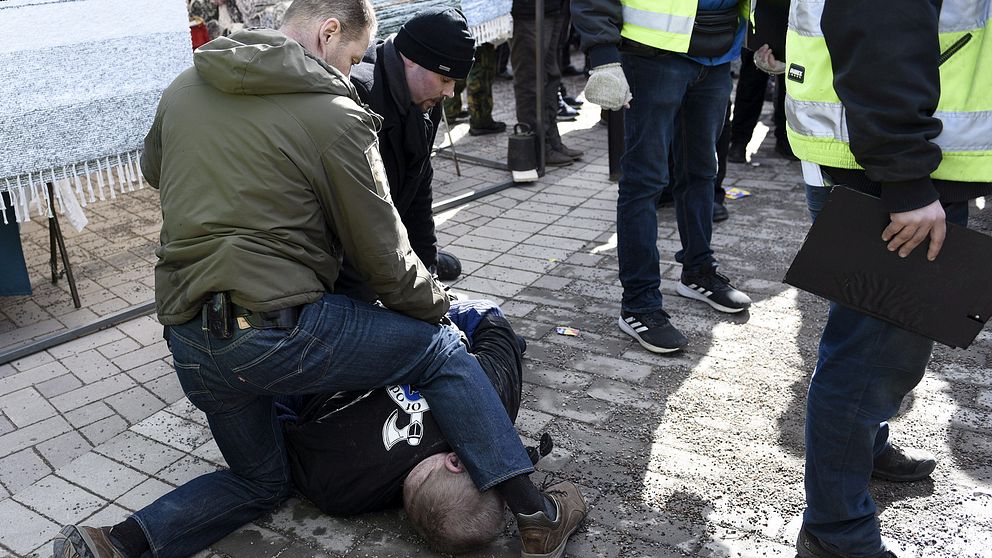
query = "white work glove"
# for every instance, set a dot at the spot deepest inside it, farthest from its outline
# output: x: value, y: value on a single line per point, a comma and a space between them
x: 608, y: 88
x: 765, y: 60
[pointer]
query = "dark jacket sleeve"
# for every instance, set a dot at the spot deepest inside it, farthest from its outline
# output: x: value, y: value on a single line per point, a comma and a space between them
x: 419, y: 221
x: 598, y: 23
x: 884, y: 56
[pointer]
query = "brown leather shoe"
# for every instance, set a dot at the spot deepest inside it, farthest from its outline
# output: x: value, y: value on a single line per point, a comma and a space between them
x: 83, y: 542
x: 543, y: 538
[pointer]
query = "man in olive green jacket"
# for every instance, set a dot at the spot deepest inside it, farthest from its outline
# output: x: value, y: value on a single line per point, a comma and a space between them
x: 269, y: 171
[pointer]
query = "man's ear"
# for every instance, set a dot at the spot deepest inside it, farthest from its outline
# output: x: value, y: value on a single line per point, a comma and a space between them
x: 329, y: 29
x: 453, y: 464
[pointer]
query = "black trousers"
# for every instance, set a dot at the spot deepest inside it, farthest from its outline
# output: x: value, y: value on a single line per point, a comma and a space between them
x: 750, y: 98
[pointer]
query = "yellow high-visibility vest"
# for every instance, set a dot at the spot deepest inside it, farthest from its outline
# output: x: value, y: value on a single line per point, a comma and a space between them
x: 664, y: 24
x: 817, y: 120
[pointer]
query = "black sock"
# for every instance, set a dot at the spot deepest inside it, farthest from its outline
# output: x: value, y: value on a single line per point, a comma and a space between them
x: 524, y: 498
x: 128, y: 537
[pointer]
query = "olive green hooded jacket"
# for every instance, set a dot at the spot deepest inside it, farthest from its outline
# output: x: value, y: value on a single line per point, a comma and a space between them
x: 268, y: 170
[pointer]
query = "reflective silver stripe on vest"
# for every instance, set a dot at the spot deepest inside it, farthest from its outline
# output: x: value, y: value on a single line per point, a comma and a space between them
x: 955, y: 15
x: 659, y: 22
x: 963, y: 131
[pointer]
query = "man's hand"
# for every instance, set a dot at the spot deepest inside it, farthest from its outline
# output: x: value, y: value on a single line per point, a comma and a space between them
x: 909, y: 228
x: 765, y: 60
x: 608, y: 88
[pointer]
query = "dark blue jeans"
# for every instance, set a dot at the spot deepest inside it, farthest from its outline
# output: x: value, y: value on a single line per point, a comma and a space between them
x: 864, y: 369
x: 338, y: 345
x: 679, y: 105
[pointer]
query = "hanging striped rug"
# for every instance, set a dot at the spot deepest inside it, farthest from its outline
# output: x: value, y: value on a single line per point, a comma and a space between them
x: 79, y: 83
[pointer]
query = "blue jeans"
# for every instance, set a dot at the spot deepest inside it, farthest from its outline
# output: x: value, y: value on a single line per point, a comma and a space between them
x: 338, y: 345
x: 679, y: 105
x: 864, y: 369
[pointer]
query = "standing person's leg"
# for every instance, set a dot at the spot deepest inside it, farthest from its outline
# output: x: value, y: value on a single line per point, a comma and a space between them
x: 658, y: 85
x: 698, y: 126
x: 552, y: 80
x: 480, y: 92
x: 524, y: 73
x: 722, y: 148
x: 748, y: 100
x: 865, y: 369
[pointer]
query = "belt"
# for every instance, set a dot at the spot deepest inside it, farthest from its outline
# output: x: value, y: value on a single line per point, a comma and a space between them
x: 284, y: 318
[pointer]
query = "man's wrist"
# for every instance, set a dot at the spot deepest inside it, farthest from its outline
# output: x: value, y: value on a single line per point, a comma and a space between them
x: 907, y: 195
x: 603, y: 54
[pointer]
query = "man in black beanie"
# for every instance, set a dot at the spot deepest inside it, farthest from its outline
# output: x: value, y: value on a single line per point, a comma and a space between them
x: 404, y: 79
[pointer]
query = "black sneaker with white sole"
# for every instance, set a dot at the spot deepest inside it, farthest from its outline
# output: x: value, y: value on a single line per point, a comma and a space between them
x: 653, y: 331
x: 714, y: 289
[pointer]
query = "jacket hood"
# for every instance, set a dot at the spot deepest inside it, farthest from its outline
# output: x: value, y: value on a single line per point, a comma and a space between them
x: 266, y: 62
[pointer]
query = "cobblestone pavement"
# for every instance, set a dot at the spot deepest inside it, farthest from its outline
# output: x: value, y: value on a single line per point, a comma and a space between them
x: 698, y: 454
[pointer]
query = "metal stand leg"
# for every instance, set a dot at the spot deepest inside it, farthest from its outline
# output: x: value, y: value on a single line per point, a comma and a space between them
x: 541, y: 82
x: 614, y: 141
x: 55, y: 237
x: 451, y: 142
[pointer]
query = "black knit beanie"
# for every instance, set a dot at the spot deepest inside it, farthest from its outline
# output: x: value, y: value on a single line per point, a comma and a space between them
x: 438, y: 39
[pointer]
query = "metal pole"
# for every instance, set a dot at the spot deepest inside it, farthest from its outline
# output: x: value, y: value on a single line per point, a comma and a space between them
x: 451, y: 142
x: 541, y: 78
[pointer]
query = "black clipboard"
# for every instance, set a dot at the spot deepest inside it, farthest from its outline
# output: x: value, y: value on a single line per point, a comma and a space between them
x: 844, y: 259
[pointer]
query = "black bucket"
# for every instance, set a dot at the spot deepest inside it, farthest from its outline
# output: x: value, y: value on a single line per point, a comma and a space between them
x: 521, y: 153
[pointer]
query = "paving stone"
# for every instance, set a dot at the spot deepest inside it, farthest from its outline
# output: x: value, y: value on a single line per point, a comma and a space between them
x: 23, y: 529
x: 62, y: 449
x: 579, y: 408
x: 185, y: 470
x: 104, y: 429
x: 88, y: 414
x: 142, y: 356
x: 252, y: 541
x: 211, y: 452
x: 614, y: 368
x: 90, y: 366
x: 488, y: 286
x: 139, y: 452
x: 32, y: 361
x: 135, y: 404
x: 143, y: 494
x: 619, y: 393
x: 303, y: 522
x: 110, y: 515
x: 497, y: 273
x: 36, y: 375
x: 59, y: 500
x: 119, y: 347
x: 101, y: 476
x: 151, y: 371
x: 25, y: 407
x: 86, y: 343
x: 33, y: 434
x: 166, y: 388
x: 89, y: 393
x: 5, y: 425
x: 58, y: 386
x: 555, y: 378
x: 19, y: 470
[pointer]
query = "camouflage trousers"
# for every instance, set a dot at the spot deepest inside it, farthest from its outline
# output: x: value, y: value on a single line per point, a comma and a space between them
x: 480, y: 89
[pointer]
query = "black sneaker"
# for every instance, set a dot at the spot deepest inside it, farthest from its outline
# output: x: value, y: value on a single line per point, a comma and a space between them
x: 898, y: 464
x: 653, y: 331
x: 714, y: 289
x: 808, y: 546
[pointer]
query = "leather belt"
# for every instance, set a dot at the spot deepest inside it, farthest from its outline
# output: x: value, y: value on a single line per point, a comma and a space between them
x: 284, y: 318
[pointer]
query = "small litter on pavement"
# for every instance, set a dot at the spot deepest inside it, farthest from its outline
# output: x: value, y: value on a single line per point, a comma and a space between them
x: 569, y: 331
x: 736, y: 193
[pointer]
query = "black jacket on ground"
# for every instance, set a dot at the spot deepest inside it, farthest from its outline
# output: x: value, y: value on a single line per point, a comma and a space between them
x: 405, y: 143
